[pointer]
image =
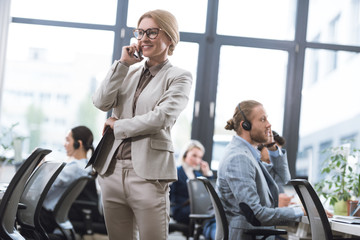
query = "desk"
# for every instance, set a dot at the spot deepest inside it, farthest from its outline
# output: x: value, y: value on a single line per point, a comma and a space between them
x: 346, y: 228
x: 352, y: 229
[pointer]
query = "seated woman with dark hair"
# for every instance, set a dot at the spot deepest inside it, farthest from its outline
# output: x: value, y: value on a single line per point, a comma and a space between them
x: 78, y: 142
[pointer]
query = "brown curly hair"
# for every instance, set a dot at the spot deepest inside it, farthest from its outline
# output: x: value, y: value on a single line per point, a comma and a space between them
x: 246, y: 107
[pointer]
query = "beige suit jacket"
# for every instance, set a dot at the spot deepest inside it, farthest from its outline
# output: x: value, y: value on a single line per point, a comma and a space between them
x: 157, y: 109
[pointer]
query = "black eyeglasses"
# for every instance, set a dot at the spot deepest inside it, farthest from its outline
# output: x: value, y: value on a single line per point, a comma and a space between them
x: 151, y: 33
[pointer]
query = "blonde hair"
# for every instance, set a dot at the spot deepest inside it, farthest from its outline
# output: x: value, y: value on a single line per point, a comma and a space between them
x: 168, y: 23
x: 190, y: 145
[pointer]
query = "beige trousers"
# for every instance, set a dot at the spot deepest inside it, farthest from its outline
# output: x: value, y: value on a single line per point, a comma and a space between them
x: 134, y: 207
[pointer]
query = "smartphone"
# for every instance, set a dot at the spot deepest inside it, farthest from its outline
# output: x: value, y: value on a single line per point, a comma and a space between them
x: 138, y: 54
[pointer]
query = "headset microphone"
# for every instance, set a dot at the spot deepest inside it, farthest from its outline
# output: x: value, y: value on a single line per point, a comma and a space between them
x: 76, y: 144
x: 246, y: 125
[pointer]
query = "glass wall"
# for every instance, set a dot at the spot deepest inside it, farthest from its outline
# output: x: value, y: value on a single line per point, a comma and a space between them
x: 50, y: 77
x: 241, y: 80
x: 330, y: 114
x: 299, y: 58
x: 52, y: 70
x: 84, y: 11
x: 329, y: 109
x: 185, y: 56
x: 339, y: 24
x: 186, y: 11
x: 257, y: 18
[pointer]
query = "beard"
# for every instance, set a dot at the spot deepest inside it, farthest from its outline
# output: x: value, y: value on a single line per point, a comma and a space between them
x: 258, y: 136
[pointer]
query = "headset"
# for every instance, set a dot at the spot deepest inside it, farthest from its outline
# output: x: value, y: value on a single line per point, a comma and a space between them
x: 185, y: 153
x: 246, y: 125
x: 76, y: 144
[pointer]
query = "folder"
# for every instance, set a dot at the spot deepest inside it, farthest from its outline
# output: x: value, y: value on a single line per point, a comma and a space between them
x: 103, y: 147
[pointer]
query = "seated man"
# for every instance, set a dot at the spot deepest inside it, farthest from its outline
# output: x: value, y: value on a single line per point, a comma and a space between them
x: 243, y: 178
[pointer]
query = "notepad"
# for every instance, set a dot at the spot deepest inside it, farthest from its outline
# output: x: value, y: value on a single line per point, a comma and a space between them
x: 346, y: 219
x: 355, y: 210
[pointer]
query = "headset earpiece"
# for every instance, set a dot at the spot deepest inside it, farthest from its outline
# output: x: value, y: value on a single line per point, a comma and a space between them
x: 76, y: 144
x: 185, y: 153
x: 246, y: 125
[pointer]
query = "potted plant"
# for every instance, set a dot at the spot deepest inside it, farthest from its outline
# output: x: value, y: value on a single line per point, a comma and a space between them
x: 342, y: 181
x: 10, y: 144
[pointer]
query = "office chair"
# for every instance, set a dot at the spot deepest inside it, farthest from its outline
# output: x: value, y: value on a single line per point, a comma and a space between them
x: 319, y: 223
x: 200, y: 204
x: 61, y: 210
x: 222, y: 227
x: 255, y: 232
x: 175, y: 226
x: 36, y: 188
x: 84, y: 213
x: 10, y: 201
x: 179, y: 227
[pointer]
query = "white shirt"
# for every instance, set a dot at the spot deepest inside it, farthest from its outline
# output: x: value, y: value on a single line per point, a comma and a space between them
x: 72, y: 171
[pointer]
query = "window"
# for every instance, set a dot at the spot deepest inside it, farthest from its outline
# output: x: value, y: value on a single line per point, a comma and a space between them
x: 256, y: 74
x: 56, y: 58
x: 185, y: 56
x: 257, y: 18
x: 191, y: 15
x: 51, y: 75
x: 84, y: 11
x: 336, y: 24
x: 304, y: 162
x: 327, y: 109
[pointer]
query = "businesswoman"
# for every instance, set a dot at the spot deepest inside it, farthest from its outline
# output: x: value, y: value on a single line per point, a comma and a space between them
x: 145, y: 99
x: 192, y: 166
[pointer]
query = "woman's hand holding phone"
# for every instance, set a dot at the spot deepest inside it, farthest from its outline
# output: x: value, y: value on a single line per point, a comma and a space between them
x: 131, y: 54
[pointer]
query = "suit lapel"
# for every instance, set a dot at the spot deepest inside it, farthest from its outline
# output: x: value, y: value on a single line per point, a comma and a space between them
x: 262, y: 176
x: 274, y: 191
x: 182, y: 174
x: 266, y: 179
x: 158, y: 77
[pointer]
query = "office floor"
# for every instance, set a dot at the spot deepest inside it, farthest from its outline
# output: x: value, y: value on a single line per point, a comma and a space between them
x: 172, y: 236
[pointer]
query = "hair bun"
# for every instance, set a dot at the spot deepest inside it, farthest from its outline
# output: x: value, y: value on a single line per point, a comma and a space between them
x: 229, y: 124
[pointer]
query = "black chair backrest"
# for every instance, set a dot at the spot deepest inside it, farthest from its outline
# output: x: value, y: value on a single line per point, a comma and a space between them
x: 222, y: 227
x: 61, y: 210
x: 319, y: 223
x: 200, y: 201
x: 10, y: 200
x: 33, y: 197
